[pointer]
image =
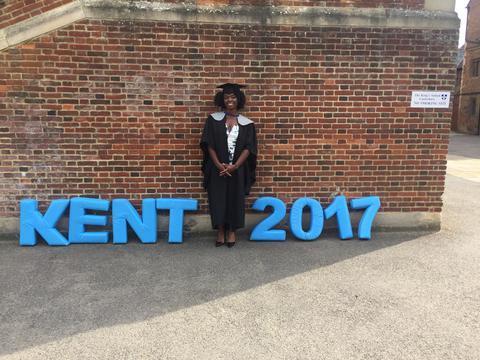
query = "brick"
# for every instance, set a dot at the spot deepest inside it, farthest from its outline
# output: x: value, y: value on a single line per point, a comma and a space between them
x: 325, y: 118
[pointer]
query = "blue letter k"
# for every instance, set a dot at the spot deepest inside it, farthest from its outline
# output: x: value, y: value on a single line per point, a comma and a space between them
x: 31, y: 220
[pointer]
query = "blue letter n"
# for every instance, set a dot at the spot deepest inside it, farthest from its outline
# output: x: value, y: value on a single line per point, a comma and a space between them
x: 123, y: 212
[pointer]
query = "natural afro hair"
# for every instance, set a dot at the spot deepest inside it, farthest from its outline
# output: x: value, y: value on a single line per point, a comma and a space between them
x: 237, y: 92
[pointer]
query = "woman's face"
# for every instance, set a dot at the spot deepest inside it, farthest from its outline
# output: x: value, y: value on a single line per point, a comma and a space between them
x: 230, y: 101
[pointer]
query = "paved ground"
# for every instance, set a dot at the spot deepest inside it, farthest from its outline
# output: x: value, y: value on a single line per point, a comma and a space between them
x: 464, y: 157
x: 399, y: 296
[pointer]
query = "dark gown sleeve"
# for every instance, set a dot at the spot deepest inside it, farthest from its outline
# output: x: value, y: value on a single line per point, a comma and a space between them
x: 208, y: 139
x: 251, y: 162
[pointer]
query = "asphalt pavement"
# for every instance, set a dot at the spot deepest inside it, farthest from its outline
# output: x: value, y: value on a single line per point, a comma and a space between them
x: 399, y: 296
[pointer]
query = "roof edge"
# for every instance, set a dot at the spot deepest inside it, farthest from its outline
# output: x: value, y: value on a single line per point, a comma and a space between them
x: 246, y: 15
x: 41, y: 24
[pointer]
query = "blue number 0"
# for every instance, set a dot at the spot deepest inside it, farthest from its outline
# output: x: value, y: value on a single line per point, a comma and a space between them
x: 316, y: 219
x: 263, y: 231
x: 372, y: 204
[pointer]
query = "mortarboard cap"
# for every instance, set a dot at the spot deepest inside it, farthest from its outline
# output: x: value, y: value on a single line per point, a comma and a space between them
x: 231, y: 87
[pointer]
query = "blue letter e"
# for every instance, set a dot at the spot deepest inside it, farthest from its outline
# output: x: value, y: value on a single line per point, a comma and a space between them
x: 78, y: 220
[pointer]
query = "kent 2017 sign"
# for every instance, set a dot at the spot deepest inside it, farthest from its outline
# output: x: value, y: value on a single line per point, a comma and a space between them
x: 32, y: 222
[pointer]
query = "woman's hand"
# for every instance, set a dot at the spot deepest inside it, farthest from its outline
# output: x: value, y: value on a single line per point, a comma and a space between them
x: 228, y: 170
x: 221, y: 167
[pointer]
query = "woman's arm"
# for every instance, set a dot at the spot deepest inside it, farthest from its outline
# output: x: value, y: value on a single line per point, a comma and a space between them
x: 241, y: 159
x: 214, y: 157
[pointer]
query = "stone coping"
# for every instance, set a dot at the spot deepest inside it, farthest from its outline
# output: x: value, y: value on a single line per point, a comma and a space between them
x: 435, y: 18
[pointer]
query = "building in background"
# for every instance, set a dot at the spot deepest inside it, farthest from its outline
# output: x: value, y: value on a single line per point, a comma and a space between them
x: 458, y: 82
x: 108, y: 99
x: 469, y: 107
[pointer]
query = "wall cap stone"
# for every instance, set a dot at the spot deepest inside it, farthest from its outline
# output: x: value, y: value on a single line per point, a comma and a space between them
x: 243, y: 15
x: 41, y: 24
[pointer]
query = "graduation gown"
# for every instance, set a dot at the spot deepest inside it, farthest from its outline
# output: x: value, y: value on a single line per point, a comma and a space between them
x: 226, y: 195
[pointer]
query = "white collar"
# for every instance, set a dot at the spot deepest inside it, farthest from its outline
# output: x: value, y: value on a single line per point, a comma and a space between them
x: 242, y: 120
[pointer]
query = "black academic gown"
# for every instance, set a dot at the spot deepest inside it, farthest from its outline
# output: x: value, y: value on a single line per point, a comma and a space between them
x: 226, y: 195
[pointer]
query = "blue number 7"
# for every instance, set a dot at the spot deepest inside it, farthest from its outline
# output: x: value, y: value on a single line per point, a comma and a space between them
x: 372, y: 204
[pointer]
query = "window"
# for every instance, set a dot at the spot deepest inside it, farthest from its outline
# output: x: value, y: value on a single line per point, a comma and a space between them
x: 473, y: 106
x: 476, y: 67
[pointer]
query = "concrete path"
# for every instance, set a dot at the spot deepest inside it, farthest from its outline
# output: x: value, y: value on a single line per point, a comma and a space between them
x: 464, y: 157
x: 398, y: 296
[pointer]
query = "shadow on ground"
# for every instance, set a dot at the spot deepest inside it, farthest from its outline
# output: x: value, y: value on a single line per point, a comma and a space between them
x: 51, y: 293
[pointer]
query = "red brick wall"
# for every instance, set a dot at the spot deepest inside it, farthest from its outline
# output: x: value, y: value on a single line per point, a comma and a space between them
x: 115, y: 109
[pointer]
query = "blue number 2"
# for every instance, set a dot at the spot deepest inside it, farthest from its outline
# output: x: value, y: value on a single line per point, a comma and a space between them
x: 372, y: 204
x: 263, y: 231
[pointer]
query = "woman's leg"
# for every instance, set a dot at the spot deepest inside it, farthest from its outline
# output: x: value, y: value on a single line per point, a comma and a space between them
x: 235, y: 217
x: 217, y: 206
x: 221, y: 234
x: 231, y: 237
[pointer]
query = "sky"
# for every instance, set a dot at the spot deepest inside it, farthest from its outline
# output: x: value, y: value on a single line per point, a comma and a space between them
x: 461, y: 9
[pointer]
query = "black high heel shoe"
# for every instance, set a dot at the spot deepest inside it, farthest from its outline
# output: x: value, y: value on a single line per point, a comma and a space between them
x: 231, y: 244
x: 220, y: 243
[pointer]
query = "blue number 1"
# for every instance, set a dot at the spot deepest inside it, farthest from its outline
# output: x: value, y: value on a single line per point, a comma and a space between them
x: 339, y: 206
x: 372, y: 204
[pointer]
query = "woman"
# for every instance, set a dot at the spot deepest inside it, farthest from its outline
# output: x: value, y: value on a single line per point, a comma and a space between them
x: 229, y: 146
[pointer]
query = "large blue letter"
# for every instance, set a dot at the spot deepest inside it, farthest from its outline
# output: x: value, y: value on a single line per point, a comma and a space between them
x: 123, y: 212
x: 78, y: 220
x: 176, y: 207
x: 316, y: 219
x: 372, y: 205
x: 31, y: 220
x: 339, y: 206
x: 263, y: 231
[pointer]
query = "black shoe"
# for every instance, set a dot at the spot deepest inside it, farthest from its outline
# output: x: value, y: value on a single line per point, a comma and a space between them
x: 219, y: 243
x: 231, y: 244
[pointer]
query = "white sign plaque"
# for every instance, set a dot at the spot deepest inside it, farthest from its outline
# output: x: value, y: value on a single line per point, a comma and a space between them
x: 430, y: 99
